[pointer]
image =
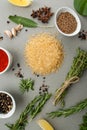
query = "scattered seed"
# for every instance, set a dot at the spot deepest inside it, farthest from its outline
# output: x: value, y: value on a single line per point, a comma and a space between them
x: 26, y: 30
x: 18, y: 65
x: 8, y: 22
x: 1, y: 38
x: 18, y: 72
x: 13, y: 69
x: 82, y: 35
x: 43, y: 89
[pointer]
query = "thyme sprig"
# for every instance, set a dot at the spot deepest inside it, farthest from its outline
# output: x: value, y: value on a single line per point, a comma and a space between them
x: 83, y: 126
x: 26, y: 85
x: 32, y: 109
x: 79, y: 65
x: 69, y: 111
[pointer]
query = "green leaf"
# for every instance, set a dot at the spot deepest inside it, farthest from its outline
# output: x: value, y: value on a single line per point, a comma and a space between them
x: 26, y: 22
x: 81, y: 6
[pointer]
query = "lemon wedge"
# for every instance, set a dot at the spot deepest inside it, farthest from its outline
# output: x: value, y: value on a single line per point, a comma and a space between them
x: 44, y: 125
x: 22, y: 3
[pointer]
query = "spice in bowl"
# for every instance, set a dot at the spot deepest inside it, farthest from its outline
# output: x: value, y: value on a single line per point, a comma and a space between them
x: 5, y: 103
x: 5, y: 60
x: 66, y: 22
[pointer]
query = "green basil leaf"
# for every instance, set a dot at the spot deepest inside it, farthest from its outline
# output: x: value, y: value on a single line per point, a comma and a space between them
x: 81, y: 6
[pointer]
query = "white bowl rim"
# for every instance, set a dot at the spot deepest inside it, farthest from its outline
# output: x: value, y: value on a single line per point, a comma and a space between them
x: 11, y: 112
x: 9, y: 59
x: 70, y: 10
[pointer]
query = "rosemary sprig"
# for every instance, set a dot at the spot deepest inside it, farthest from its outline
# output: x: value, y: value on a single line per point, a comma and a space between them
x: 32, y: 109
x: 79, y: 65
x: 69, y: 111
x: 83, y: 126
x: 26, y: 85
x: 39, y: 107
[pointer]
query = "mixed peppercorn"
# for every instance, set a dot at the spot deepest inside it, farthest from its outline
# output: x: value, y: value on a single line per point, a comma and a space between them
x: 5, y: 103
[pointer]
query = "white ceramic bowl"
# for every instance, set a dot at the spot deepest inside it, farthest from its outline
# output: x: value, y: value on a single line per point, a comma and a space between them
x: 10, y: 59
x: 11, y: 112
x: 67, y: 9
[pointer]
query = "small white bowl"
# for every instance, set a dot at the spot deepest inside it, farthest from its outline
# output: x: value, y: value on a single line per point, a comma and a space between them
x: 10, y: 59
x: 67, y: 9
x: 11, y: 112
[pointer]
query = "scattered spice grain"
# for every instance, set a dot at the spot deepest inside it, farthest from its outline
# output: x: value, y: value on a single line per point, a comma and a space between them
x: 8, y: 22
x: 43, y: 89
x: 13, y: 69
x: 83, y: 35
x: 1, y: 38
x: 26, y: 30
x: 18, y: 70
x: 18, y: 65
x: 66, y: 22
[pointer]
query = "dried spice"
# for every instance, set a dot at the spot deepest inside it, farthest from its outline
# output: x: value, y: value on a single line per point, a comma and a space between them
x: 26, y: 30
x: 66, y: 22
x: 8, y: 22
x: 43, y: 89
x: 43, y: 14
x: 1, y: 38
x: 5, y: 103
x: 83, y: 35
x: 18, y: 70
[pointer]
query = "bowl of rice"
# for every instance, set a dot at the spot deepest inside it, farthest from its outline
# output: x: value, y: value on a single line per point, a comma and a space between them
x: 44, y: 53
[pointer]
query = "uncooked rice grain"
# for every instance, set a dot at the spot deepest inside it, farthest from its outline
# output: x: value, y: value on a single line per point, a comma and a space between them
x: 44, y: 53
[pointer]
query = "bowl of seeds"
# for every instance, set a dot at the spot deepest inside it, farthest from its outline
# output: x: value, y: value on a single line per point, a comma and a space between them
x: 7, y: 105
x: 67, y: 21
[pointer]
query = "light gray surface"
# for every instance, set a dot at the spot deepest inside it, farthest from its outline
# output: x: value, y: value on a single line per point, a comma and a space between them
x: 10, y: 83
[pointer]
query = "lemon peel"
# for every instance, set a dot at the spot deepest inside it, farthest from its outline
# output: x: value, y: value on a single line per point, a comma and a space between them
x: 44, y: 125
x: 21, y: 3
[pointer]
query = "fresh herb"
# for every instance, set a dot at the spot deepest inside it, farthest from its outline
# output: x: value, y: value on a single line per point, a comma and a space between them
x: 26, y: 22
x: 78, y: 67
x: 32, y: 109
x: 23, y: 21
x: 26, y: 85
x: 81, y: 6
x: 83, y: 126
x: 69, y: 111
x: 39, y: 106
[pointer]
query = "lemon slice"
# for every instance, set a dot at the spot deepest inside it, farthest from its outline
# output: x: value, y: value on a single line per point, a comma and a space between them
x: 44, y: 125
x: 22, y: 3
